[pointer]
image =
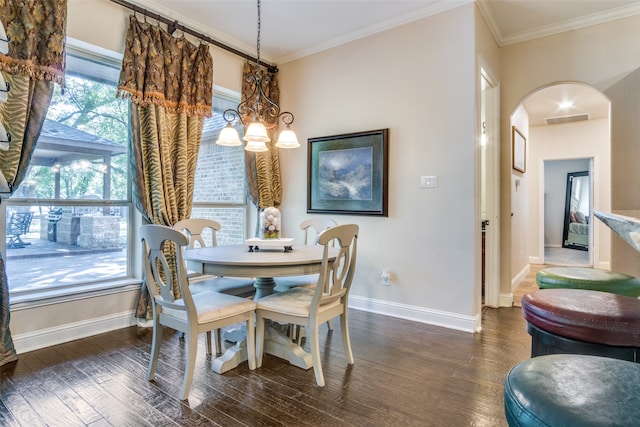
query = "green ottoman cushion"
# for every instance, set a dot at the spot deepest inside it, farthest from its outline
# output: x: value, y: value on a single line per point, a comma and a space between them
x: 590, y: 279
x: 573, y: 390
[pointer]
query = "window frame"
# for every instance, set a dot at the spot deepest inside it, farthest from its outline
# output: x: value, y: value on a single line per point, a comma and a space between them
x: 132, y: 277
x: 27, y: 299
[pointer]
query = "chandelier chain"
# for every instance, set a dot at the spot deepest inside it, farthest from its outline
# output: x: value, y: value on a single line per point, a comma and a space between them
x: 264, y: 113
x: 258, y: 38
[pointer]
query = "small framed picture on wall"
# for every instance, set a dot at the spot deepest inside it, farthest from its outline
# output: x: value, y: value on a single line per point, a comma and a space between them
x: 518, y: 150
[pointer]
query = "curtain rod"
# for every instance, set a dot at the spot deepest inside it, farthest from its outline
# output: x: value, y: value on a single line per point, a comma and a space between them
x: 172, y: 26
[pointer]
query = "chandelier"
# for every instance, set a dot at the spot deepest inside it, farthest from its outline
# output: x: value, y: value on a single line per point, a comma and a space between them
x: 264, y: 113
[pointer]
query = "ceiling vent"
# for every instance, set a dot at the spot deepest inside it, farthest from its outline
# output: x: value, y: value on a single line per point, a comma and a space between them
x: 566, y: 119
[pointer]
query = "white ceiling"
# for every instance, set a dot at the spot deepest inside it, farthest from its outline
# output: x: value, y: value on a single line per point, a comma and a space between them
x: 548, y: 103
x: 292, y: 29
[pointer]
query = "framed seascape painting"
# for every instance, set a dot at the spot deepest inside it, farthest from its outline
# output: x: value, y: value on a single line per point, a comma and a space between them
x: 348, y: 174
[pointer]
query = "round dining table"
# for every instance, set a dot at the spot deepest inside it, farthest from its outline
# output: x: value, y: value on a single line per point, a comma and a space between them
x: 263, y: 264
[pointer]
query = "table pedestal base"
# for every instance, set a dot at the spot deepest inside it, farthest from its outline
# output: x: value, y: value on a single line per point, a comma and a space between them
x: 264, y: 286
x: 231, y: 358
x: 276, y: 343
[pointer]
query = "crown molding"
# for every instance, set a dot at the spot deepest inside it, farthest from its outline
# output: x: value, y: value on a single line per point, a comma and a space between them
x: 434, y: 8
x: 560, y: 27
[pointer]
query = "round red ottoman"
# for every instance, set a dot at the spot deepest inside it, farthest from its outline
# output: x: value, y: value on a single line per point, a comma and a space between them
x: 579, y: 321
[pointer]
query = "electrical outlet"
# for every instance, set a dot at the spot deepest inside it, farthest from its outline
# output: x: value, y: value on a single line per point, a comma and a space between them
x: 385, y: 278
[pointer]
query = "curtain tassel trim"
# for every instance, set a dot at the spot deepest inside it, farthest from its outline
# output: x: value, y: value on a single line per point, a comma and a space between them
x: 144, y: 100
x: 23, y: 67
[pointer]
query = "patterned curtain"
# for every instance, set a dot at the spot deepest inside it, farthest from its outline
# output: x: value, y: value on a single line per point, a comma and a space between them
x: 169, y: 82
x: 264, y: 187
x: 35, y: 62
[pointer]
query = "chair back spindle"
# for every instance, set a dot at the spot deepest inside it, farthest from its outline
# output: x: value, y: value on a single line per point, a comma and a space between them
x: 336, y: 277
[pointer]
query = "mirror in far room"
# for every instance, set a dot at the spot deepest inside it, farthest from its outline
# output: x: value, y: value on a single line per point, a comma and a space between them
x: 577, y: 212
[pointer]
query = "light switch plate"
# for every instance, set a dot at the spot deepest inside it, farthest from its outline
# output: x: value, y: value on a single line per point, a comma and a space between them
x: 428, y: 181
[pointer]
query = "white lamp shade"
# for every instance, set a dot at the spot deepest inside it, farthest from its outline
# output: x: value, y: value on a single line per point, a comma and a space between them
x: 256, y: 145
x: 4, y: 44
x: 256, y: 132
x: 229, y: 137
x: 287, y: 139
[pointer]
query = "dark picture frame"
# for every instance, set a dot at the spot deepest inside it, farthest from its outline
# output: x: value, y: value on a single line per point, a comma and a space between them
x: 518, y: 150
x: 349, y: 173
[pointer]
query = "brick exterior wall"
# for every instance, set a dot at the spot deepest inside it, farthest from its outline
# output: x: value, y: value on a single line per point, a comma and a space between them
x: 220, y: 180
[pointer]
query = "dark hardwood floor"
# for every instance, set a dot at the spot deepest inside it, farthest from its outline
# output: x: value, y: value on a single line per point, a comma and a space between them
x: 405, y: 374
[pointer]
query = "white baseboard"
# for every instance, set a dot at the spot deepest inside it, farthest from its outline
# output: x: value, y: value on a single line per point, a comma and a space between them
x: 416, y: 314
x: 506, y: 300
x: 520, y: 277
x: 72, y: 331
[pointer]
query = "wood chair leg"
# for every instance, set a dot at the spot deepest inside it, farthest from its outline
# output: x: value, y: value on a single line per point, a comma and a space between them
x: 296, y: 334
x: 330, y: 325
x: 218, y: 336
x: 190, y: 363
x: 259, y: 339
x: 346, y: 341
x: 315, y: 354
x: 251, y: 342
x: 155, y: 349
x: 208, y: 343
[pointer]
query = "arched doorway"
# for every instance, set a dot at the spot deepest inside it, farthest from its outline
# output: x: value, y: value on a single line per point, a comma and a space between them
x: 558, y: 122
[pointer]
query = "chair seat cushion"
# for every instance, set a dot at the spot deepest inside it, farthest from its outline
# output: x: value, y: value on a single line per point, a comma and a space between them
x: 577, y: 390
x: 588, y: 278
x: 294, y: 302
x: 213, y: 306
x: 590, y: 316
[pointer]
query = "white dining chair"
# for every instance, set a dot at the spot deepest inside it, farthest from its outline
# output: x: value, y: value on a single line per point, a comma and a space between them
x: 202, y: 232
x: 191, y: 314
x: 312, y: 228
x: 312, y: 307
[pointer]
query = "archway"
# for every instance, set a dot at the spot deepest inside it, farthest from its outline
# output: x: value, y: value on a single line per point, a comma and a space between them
x: 560, y: 121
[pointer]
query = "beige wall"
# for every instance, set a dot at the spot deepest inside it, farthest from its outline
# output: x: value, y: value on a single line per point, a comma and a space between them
x: 606, y: 57
x: 519, y: 210
x: 421, y: 88
x: 625, y: 152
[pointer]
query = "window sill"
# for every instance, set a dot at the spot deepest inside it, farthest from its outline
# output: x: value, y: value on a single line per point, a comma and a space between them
x: 59, y: 295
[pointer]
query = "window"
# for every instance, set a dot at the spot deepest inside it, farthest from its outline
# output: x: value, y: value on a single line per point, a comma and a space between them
x: 219, y: 190
x: 68, y: 223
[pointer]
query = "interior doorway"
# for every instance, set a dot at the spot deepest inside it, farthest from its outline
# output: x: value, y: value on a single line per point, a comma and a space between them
x: 490, y: 189
x: 568, y: 208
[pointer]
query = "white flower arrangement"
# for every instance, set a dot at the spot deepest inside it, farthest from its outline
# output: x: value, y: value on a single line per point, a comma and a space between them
x: 270, y: 219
